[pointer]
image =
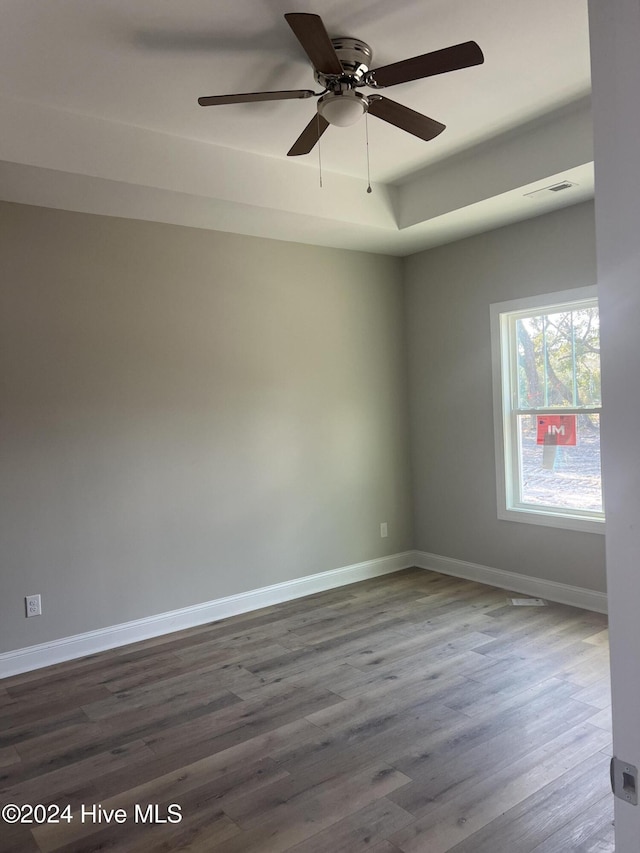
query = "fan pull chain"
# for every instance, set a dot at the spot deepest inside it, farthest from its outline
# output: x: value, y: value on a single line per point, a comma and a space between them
x: 366, y: 131
x: 319, y: 154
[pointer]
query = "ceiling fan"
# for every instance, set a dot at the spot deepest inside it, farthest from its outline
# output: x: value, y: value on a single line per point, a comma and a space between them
x: 341, y: 66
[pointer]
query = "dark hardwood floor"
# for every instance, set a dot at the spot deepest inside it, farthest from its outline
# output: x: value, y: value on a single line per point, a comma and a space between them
x: 414, y: 712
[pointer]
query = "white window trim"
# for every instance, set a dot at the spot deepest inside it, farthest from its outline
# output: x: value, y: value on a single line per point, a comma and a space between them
x: 500, y: 356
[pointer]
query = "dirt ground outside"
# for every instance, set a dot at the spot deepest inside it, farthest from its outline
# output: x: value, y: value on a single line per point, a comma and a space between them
x: 573, y: 480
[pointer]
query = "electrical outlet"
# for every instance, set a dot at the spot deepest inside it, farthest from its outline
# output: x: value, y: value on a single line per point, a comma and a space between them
x: 383, y: 530
x: 33, y: 605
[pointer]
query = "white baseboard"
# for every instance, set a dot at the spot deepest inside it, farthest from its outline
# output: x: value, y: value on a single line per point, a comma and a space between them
x: 91, y: 642
x: 561, y: 593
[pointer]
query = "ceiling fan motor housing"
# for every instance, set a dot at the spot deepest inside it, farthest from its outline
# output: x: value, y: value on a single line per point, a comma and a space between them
x: 355, y: 57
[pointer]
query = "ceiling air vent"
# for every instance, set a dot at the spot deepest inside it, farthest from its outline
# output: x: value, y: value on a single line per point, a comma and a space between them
x: 554, y: 188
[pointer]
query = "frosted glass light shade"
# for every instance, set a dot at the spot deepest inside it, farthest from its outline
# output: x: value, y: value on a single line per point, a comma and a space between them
x: 342, y: 108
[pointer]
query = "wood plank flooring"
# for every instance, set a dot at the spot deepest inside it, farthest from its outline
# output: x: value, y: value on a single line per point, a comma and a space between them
x: 414, y: 712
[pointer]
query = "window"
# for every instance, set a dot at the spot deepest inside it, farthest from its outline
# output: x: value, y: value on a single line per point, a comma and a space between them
x: 547, y: 403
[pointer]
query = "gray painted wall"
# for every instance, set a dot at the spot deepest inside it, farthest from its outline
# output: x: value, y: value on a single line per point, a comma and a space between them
x: 187, y: 414
x: 448, y: 293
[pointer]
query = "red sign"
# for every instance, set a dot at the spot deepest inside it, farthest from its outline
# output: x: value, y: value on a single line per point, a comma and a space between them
x: 557, y: 429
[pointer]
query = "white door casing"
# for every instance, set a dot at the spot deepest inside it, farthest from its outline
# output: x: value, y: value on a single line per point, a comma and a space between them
x: 615, y: 61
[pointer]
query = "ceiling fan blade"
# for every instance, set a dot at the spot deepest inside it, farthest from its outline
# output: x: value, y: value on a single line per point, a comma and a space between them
x: 438, y: 62
x: 309, y: 136
x: 248, y: 97
x: 312, y: 35
x: 404, y: 118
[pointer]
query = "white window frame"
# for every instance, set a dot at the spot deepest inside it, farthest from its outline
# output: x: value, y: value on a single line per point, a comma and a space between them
x: 505, y: 414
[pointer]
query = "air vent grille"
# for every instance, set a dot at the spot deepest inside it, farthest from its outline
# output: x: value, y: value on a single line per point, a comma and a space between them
x: 554, y: 188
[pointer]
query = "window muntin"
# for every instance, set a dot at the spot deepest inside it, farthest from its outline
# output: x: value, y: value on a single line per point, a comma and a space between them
x: 558, y: 358
x: 546, y: 384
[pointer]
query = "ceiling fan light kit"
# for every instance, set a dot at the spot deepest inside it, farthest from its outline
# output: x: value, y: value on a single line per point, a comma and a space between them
x: 343, y: 108
x: 342, y: 65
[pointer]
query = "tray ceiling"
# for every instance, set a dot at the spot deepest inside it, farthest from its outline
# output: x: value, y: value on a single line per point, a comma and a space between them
x: 99, y: 104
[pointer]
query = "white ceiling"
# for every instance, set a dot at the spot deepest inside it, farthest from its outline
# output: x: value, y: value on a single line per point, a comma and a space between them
x: 99, y: 113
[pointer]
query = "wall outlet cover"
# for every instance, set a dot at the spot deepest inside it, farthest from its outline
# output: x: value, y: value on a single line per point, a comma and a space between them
x: 33, y: 605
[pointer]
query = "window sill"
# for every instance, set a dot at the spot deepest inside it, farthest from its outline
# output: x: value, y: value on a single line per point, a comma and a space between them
x: 550, y: 519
